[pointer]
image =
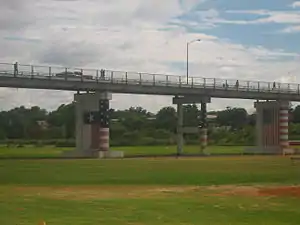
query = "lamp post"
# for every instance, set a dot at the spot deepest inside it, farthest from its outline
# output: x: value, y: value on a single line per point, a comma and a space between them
x: 187, y: 57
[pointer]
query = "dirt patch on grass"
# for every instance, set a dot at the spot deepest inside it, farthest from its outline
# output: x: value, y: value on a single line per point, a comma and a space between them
x: 79, y: 193
x: 232, y: 190
x: 278, y: 191
x: 101, y: 192
x: 291, y: 191
x: 117, y: 192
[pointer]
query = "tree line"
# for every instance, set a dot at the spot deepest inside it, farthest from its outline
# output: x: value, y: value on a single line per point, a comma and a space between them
x: 134, y: 126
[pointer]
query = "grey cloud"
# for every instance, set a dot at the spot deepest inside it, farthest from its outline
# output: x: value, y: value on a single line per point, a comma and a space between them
x: 16, y: 14
x: 13, y: 50
x: 13, y: 4
x: 69, y: 54
x: 13, y: 97
x: 65, y: 0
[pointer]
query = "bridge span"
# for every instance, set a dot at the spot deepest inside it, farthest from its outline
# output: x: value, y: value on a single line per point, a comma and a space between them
x: 92, y: 108
x: 77, y: 79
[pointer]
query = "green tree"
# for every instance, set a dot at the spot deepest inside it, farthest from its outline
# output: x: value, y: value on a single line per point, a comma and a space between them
x: 166, y: 119
x: 236, y: 118
x: 190, y: 115
x: 296, y: 115
x: 64, y: 117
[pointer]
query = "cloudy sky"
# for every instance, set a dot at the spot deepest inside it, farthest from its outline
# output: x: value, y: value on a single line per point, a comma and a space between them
x: 244, y: 39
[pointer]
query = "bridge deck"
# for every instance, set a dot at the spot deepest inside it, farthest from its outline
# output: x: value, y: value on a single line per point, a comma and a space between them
x: 59, y: 78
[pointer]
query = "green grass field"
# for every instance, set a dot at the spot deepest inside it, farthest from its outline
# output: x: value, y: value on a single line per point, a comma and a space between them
x: 235, y: 190
x: 51, y: 152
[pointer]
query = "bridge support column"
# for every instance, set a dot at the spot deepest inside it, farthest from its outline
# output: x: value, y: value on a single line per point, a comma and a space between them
x: 271, y: 127
x: 86, y: 108
x: 179, y: 129
x: 92, y: 126
x: 200, y: 129
x: 284, y: 125
x: 203, y: 127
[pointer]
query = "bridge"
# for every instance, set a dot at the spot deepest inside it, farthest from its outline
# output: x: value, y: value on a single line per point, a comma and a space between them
x: 77, y: 79
x: 92, y: 122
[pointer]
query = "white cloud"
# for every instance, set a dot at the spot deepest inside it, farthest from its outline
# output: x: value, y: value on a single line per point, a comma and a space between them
x: 188, y: 5
x: 135, y: 37
x: 192, y: 19
x: 280, y: 17
x: 288, y: 17
x: 296, y: 4
x: 292, y: 29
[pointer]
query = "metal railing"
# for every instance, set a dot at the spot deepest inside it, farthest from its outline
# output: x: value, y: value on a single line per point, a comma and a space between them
x: 145, y: 79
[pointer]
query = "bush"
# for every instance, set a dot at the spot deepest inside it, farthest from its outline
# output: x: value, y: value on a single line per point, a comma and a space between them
x: 150, y: 141
x: 39, y: 144
x: 31, y: 142
x: 50, y: 142
x: 65, y: 144
x: 121, y: 142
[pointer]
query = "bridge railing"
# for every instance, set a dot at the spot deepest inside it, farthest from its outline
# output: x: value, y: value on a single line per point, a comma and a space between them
x: 135, y: 78
x: 6, y: 68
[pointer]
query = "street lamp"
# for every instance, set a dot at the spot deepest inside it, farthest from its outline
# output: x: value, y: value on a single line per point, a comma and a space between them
x: 187, y: 58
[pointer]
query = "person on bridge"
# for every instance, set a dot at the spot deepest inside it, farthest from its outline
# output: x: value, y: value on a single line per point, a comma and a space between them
x: 237, y: 84
x: 102, y: 73
x: 16, y: 70
x: 225, y: 85
x: 274, y: 85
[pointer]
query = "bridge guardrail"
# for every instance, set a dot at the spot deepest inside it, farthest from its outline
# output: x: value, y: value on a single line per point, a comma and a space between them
x: 135, y: 78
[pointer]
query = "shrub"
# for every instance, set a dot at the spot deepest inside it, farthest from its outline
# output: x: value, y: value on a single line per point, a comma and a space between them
x: 39, y: 144
x: 65, y: 144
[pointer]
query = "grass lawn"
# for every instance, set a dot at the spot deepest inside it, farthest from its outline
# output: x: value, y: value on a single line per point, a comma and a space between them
x: 51, y: 152
x: 160, y: 150
x: 231, y: 190
x: 31, y: 152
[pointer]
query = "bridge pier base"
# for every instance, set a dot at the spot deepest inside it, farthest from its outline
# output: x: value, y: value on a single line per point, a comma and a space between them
x: 272, y: 121
x: 92, y: 126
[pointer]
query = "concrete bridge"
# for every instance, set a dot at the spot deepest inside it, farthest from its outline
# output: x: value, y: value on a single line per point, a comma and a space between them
x: 74, y: 79
x: 100, y: 83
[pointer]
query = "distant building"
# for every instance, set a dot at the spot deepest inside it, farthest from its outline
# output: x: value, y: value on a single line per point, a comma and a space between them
x: 212, y: 117
x: 43, y: 124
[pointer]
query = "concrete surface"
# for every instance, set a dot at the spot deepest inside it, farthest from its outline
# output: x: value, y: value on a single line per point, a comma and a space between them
x: 110, y: 154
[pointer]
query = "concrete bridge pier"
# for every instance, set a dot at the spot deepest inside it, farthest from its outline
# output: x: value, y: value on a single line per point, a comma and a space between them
x: 202, y: 126
x: 92, y: 126
x: 179, y: 129
x: 272, y: 127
